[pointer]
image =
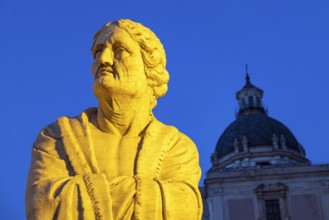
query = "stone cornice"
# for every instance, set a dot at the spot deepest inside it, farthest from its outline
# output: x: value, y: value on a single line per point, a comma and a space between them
x: 239, y: 174
x: 292, y: 155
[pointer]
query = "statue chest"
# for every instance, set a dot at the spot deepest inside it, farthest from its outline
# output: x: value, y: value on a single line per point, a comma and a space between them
x: 116, y: 156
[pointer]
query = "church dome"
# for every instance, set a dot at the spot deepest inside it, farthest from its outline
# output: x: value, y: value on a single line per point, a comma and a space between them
x: 259, y: 129
x: 254, y: 138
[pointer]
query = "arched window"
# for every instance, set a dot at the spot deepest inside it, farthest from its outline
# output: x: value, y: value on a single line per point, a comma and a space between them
x: 251, y: 101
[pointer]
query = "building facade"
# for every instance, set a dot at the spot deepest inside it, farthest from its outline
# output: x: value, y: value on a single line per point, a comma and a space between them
x: 260, y: 171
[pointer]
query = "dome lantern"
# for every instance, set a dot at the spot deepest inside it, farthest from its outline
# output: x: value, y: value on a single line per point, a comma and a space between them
x: 249, y: 98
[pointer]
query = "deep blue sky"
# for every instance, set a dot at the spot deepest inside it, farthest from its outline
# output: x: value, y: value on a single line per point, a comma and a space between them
x: 45, y: 66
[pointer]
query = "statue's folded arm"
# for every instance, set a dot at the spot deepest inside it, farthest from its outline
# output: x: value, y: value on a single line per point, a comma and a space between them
x: 179, y: 179
x: 176, y: 184
x: 54, y: 193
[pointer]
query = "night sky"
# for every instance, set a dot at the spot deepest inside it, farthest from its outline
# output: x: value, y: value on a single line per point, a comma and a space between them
x: 46, y: 70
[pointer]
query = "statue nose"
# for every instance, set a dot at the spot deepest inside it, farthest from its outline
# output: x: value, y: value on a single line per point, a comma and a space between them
x: 106, y: 57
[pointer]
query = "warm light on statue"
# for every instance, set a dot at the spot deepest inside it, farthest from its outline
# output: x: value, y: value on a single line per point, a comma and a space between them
x: 117, y: 161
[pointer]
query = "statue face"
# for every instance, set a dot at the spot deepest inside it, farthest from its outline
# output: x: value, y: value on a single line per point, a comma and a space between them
x: 118, y: 67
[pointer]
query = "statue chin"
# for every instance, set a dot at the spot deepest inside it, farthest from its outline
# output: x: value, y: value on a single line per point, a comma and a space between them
x: 104, y: 89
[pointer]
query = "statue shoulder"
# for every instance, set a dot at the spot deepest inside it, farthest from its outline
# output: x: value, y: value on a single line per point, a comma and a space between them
x: 52, y: 133
x: 177, y: 138
x: 181, y: 159
x: 182, y: 142
x: 52, y: 130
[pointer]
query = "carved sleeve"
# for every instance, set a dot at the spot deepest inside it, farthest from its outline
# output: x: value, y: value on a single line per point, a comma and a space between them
x: 179, y: 178
x: 173, y: 192
x: 55, y: 192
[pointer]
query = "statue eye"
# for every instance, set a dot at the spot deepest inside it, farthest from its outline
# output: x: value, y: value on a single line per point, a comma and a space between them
x: 120, y: 53
x: 97, y: 52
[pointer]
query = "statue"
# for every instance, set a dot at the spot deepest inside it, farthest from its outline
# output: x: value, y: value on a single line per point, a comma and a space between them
x: 117, y: 161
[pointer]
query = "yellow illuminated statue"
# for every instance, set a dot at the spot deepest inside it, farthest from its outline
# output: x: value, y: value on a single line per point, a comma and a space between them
x: 117, y: 161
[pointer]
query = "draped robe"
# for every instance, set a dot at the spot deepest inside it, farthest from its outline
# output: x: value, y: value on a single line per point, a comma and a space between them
x: 65, y: 181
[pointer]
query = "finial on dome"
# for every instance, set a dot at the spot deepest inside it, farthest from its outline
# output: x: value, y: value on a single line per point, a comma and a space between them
x: 247, y: 76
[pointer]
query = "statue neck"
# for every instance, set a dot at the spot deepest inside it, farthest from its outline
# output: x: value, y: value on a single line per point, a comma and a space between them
x: 124, y: 116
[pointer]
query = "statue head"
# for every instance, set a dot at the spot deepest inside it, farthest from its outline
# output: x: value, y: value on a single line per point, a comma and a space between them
x: 147, y: 56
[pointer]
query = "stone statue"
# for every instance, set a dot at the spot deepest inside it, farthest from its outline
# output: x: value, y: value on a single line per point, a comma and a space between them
x: 117, y: 161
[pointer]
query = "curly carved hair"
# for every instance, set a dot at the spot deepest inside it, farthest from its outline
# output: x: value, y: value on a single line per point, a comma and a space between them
x: 152, y: 50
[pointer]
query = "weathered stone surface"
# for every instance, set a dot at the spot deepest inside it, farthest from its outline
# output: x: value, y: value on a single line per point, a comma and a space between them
x: 117, y: 161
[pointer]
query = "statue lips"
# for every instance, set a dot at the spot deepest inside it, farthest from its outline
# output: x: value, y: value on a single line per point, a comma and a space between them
x: 105, y: 71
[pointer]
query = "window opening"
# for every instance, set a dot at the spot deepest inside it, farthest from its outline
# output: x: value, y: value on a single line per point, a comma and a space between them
x: 263, y: 163
x: 251, y: 101
x: 272, y: 207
